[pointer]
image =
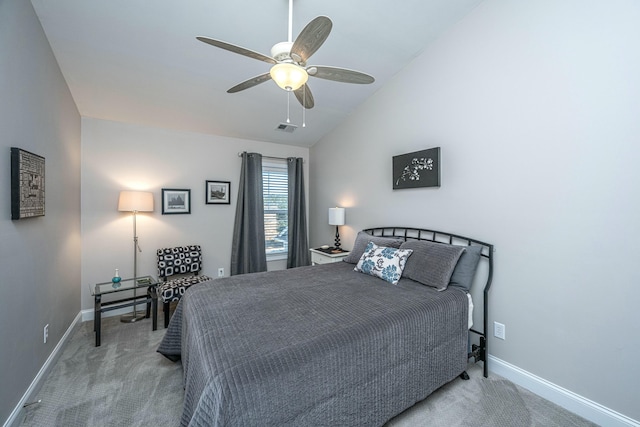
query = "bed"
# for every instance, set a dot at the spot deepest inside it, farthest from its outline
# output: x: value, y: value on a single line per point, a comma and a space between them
x: 321, y: 345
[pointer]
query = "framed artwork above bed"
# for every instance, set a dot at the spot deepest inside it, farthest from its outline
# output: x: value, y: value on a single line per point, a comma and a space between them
x: 417, y: 169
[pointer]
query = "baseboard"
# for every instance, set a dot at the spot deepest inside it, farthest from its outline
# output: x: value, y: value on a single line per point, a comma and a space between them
x: 87, y: 315
x: 16, y: 416
x: 567, y: 399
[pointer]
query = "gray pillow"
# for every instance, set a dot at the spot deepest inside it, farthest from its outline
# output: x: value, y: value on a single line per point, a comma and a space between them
x: 431, y: 263
x: 363, y: 239
x: 465, y: 270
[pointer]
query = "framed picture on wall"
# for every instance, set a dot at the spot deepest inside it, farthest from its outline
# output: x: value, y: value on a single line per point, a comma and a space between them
x: 418, y: 169
x: 217, y: 192
x: 27, y: 184
x: 176, y: 201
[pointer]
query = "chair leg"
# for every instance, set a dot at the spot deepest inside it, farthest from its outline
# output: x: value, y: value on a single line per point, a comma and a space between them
x: 166, y: 308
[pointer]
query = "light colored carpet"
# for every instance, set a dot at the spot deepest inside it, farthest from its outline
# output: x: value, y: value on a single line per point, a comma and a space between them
x: 486, y: 402
x: 125, y: 382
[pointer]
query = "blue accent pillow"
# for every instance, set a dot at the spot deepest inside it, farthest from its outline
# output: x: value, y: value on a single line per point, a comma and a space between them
x: 383, y: 262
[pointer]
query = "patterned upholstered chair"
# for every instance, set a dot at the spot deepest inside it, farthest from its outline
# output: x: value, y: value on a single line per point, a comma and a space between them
x: 183, y: 262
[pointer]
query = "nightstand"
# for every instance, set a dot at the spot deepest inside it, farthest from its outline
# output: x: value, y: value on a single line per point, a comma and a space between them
x: 320, y: 257
x: 142, y: 282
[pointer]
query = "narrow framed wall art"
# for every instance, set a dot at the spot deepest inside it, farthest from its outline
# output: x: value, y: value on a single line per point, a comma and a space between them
x: 27, y: 184
x: 417, y: 169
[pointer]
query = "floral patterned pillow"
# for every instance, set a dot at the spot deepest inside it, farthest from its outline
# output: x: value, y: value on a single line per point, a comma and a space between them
x: 383, y: 262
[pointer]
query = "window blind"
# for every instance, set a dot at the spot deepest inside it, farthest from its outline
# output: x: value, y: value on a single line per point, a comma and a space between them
x: 276, y: 197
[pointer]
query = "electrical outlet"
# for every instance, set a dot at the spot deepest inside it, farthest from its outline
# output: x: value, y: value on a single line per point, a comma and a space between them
x: 46, y: 333
x: 499, y: 330
x: 221, y: 272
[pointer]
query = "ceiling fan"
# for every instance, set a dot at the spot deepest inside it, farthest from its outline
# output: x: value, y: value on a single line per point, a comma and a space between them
x: 289, y: 59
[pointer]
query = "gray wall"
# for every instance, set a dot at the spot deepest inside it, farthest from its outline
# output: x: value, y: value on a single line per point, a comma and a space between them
x: 535, y: 106
x: 39, y: 257
x: 118, y: 156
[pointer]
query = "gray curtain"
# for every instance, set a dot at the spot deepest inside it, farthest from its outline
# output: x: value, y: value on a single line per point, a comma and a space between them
x: 247, y: 251
x: 298, y: 253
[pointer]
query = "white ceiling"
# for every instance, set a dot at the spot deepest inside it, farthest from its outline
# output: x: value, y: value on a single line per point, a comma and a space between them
x: 138, y: 61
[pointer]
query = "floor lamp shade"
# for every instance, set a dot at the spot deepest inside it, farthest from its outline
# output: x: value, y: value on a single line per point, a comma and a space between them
x: 135, y: 201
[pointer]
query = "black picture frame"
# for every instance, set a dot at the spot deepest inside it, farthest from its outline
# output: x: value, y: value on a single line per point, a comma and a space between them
x: 417, y: 169
x: 27, y: 184
x: 217, y: 192
x: 176, y: 201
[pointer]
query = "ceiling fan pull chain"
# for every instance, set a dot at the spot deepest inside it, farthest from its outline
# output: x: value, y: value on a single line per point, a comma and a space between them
x: 304, y: 102
x: 288, y: 102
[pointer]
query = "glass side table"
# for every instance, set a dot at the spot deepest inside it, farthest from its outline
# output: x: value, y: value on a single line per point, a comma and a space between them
x: 105, y: 288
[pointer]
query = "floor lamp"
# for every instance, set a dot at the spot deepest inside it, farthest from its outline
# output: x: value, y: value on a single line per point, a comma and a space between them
x: 336, y: 217
x: 134, y: 202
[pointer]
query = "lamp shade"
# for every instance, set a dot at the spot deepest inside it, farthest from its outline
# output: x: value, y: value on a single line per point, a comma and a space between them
x: 289, y: 76
x: 336, y: 216
x: 135, y: 201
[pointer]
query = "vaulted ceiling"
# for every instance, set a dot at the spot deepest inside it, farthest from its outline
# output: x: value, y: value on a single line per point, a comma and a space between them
x: 139, y: 61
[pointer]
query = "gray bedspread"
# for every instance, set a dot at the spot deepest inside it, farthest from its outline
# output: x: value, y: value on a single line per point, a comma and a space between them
x: 313, y: 346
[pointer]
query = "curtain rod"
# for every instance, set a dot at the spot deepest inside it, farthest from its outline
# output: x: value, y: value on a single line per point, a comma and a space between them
x: 271, y: 157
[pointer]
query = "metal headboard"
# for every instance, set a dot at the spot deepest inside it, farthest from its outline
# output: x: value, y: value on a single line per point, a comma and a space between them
x: 479, y: 352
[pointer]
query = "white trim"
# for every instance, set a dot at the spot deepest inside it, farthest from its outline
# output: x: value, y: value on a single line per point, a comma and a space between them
x: 277, y: 256
x: 87, y: 314
x: 42, y: 373
x: 569, y: 400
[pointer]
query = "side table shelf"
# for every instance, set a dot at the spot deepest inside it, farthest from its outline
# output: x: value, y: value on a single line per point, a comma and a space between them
x: 321, y: 257
x: 144, y: 282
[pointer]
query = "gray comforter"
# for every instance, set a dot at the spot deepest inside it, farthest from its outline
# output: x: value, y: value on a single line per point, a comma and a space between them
x: 313, y: 346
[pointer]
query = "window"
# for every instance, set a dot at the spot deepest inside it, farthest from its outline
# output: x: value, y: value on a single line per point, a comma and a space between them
x: 276, y: 198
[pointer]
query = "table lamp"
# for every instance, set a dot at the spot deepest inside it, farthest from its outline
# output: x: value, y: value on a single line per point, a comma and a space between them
x: 336, y: 217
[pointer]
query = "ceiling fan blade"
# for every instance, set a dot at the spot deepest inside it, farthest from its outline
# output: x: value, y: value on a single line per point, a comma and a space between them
x: 304, y: 96
x: 340, y: 74
x: 254, y: 81
x: 237, y: 49
x: 311, y: 38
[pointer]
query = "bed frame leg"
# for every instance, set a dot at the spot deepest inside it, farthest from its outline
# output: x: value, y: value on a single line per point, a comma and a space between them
x: 465, y: 376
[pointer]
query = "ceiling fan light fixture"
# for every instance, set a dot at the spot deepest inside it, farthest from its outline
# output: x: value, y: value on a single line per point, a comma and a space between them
x: 288, y: 76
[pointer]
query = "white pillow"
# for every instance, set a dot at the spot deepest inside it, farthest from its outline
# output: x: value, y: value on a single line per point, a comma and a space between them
x: 383, y: 262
